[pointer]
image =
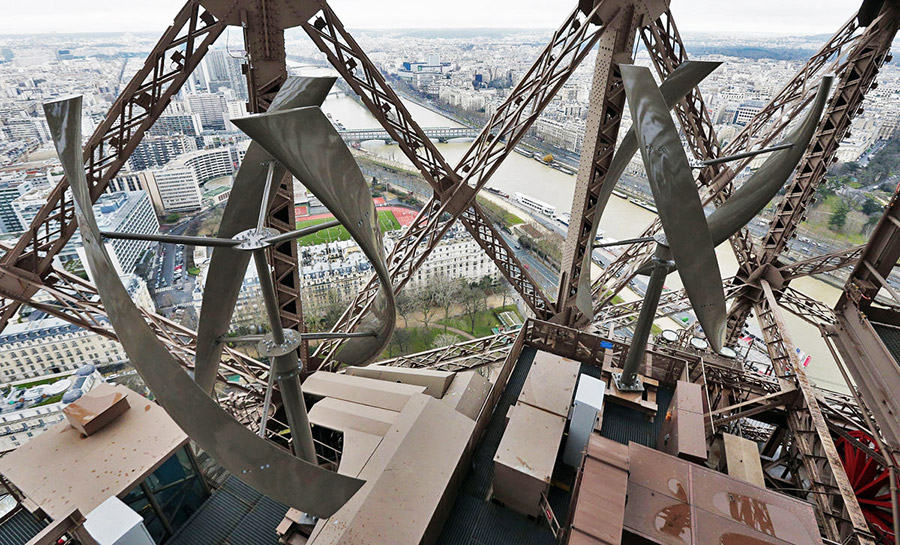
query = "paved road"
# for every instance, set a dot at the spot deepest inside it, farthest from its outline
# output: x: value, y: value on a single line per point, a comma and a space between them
x: 168, y: 291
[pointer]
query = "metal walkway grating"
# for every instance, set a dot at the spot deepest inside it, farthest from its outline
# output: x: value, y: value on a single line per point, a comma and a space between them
x: 235, y: 514
x: 890, y: 336
x: 474, y: 520
x: 20, y: 528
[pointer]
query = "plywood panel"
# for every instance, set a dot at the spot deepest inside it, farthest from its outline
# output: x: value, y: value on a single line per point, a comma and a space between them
x: 340, y: 415
x: 742, y: 457
x: 550, y: 384
x: 467, y: 393
x: 50, y: 469
x: 526, y: 456
x: 435, y: 382
x: 367, y: 391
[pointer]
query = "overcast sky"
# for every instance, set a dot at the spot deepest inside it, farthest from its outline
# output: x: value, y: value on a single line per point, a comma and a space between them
x: 763, y: 16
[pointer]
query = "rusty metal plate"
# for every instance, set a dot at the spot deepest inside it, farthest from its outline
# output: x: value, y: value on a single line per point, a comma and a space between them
x: 764, y: 511
x: 659, y: 472
x: 600, y: 510
x: 723, y: 531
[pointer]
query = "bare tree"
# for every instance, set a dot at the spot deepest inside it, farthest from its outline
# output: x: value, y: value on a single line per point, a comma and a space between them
x: 406, y: 303
x: 473, y: 302
x: 444, y: 339
x: 426, y: 301
x: 400, y: 340
x: 504, y: 288
x: 446, y: 295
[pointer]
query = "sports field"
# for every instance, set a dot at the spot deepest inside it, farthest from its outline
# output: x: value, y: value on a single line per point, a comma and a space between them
x: 385, y: 217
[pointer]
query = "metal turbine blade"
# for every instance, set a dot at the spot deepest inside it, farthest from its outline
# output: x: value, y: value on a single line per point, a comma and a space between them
x: 745, y: 203
x: 266, y: 467
x: 675, y: 195
x: 679, y: 83
x: 228, y: 266
x: 305, y: 141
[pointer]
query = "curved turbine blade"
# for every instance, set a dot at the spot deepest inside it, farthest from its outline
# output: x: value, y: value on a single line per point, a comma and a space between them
x: 676, y: 197
x: 266, y: 467
x: 745, y: 203
x: 228, y: 266
x: 688, y: 75
x: 305, y: 141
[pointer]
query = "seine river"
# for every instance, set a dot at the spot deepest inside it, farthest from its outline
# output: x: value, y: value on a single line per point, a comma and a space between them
x: 621, y: 218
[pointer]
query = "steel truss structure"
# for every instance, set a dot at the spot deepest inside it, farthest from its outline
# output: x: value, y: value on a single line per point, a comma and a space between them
x: 796, y: 422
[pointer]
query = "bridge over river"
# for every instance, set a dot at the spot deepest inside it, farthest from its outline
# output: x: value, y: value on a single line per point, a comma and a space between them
x: 441, y: 134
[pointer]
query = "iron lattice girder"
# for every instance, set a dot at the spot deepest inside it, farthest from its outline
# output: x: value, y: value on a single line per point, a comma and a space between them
x: 460, y: 356
x: 607, y: 105
x: 822, y: 263
x: 855, y: 80
x: 811, y: 437
x: 856, y: 76
x: 145, y: 97
x: 876, y: 259
x: 785, y: 106
x: 670, y: 303
x: 796, y: 94
x: 455, y: 189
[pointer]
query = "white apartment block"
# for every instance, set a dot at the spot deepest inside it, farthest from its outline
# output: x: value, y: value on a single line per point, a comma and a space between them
x: 50, y: 345
x: 567, y: 134
x: 130, y: 212
x: 233, y: 110
x: 176, y: 190
x: 176, y: 187
x: 127, y: 213
x: 457, y: 256
x: 211, y: 109
x: 208, y: 164
x: 340, y: 270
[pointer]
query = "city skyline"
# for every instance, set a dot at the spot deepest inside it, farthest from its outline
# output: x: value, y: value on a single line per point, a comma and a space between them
x: 762, y: 17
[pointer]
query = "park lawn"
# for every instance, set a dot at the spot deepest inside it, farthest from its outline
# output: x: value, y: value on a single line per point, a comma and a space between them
x: 484, y: 320
x: 507, y: 218
x: 333, y: 234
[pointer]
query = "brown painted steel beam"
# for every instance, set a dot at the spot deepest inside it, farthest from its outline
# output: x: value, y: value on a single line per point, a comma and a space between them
x: 856, y: 76
x: 874, y: 370
x: 266, y: 72
x: 607, y: 105
x: 824, y: 473
x: 760, y: 132
x: 821, y: 263
x: 455, y: 189
x: 667, y: 52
